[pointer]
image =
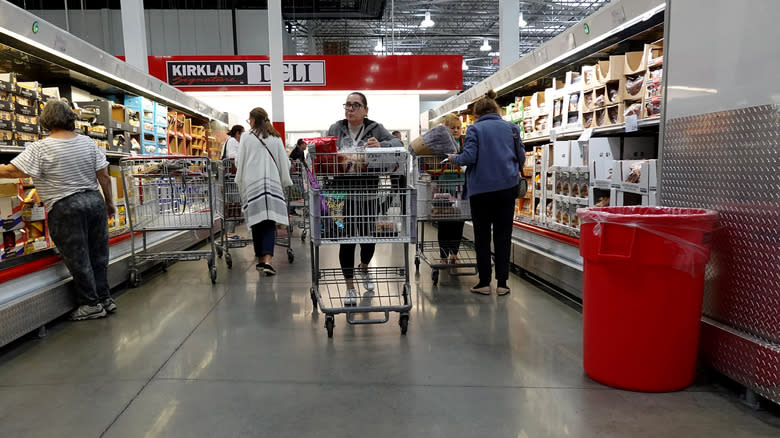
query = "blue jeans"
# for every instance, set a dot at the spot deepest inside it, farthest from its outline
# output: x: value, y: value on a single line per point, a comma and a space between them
x: 78, y: 225
x: 264, y: 238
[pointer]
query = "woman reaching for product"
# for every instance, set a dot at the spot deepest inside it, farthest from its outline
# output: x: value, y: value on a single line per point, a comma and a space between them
x: 491, y: 184
x: 353, y: 131
x: 262, y: 173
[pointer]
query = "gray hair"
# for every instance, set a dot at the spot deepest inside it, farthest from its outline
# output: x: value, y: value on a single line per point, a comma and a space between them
x: 58, y: 115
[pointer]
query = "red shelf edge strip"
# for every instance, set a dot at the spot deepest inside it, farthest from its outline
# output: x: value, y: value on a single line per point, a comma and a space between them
x: 46, y: 262
x: 573, y: 241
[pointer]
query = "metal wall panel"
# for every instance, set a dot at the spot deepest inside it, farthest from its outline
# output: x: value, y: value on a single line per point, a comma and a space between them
x: 730, y: 162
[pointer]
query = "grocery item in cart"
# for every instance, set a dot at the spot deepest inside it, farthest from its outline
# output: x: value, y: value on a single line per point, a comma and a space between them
x: 386, y: 161
x: 437, y: 141
x: 323, y: 150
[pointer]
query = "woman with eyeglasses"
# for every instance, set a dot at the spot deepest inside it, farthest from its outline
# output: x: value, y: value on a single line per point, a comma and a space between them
x: 357, y: 130
x: 262, y: 173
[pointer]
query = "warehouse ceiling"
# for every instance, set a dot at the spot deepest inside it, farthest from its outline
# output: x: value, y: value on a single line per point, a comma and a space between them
x: 357, y: 26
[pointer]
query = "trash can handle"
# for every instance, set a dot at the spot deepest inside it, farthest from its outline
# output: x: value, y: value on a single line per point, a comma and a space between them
x: 609, y: 254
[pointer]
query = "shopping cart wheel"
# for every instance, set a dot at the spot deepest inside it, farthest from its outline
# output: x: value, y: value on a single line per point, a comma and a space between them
x: 219, y: 252
x: 303, y: 236
x: 228, y: 260
x: 404, y: 323
x: 329, y: 324
x: 135, y: 279
x: 435, y: 277
x: 213, y: 273
x: 417, y: 263
x: 290, y: 255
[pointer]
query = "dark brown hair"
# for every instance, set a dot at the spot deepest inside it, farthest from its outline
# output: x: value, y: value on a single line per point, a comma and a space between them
x: 263, y: 126
x: 236, y: 129
x: 58, y: 115
x: 486, y: 105
x: 362, y: 97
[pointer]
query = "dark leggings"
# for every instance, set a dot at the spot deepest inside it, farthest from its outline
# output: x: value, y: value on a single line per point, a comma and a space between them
x: 347, y: 257
x: 496, y: 210
x: 450, y: 235
x: 264, y: 238
x: 78, y: 225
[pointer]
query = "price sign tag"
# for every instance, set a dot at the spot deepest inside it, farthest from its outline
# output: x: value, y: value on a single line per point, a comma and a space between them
x: 631, y: 123
x: 553, y: 135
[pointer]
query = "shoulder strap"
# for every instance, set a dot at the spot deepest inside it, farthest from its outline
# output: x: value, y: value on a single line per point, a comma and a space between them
x: 266, y: 148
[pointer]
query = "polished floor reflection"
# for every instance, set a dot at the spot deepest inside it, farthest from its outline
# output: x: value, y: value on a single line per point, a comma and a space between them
x: 249, y: 357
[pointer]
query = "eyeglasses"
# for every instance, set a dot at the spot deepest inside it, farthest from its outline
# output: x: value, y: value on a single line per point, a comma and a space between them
x: 353, y: 106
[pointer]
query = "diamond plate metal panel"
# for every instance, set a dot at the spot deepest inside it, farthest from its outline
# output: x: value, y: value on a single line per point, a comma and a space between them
x: 730, y: 162
x: 750, y: 361
x: 27, y: 314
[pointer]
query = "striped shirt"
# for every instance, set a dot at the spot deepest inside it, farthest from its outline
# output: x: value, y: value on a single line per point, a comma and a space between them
x: 61, y: 167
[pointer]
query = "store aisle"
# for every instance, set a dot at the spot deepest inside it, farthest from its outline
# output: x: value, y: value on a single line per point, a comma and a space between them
x: 247, y: 357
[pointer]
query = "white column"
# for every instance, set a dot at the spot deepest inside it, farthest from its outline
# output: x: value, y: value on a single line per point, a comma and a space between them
x: 275, y: 53
x: 508, y: 31
x: 134, y: 34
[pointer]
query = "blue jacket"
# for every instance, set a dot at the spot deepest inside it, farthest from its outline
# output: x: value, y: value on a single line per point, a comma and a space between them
x: 490, y: 155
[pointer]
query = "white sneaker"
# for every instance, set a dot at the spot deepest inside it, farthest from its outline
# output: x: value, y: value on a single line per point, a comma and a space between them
x: 85, y: 311
x: 351, y: 298
x: 368, y: 281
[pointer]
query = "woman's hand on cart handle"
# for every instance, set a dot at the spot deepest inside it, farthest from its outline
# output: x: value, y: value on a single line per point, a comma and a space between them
x: 373, y: 143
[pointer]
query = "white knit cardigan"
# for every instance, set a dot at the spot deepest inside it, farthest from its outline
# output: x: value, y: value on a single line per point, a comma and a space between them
x: 261, y: 182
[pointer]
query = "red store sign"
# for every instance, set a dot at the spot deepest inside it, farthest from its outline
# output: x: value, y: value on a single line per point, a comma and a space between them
x: 326, y: 72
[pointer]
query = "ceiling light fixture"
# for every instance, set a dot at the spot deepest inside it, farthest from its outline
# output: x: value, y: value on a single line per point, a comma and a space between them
x: 464, y: 66
x: 521, y: 22
x: 485, y: 46
x: 427, y: 22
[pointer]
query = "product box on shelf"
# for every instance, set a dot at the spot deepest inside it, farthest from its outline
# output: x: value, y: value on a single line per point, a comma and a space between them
x: 635, y: 86
x: 6, y: 101
x: 30, y: 90
x: 589, y: 76
x: 27, y: 106
x: 639, y: 148
x: 621, y: 198
x: 654, y: 54
x: 613, y: 115
x: 6, y: 121
x: 25, y: 137
x: 8, y: 82
x: 578, y: 154
x: 600, y: 197
x: 635, y: 62
x: 573, y: 78
x: 50, y: 93
x: 612, y: 69
x: 635, y: 176
x: 562, y: 153
x: 602, y: 152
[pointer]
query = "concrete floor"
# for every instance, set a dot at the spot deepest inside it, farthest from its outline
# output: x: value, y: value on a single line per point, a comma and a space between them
x: 248, y: 357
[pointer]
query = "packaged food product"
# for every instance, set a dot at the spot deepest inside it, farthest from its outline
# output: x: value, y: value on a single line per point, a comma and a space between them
x: 6, y: 135
x: 587, y: 120
x: 634, y: 84
x: 33, y: 120
x: 633, y: 109
x: 635, y: 175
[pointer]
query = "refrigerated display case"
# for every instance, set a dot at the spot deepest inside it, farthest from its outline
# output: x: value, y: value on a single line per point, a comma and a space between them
x: 36, y: 65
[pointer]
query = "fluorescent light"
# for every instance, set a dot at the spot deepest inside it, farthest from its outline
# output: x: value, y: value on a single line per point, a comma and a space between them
x: 485, y: 46
x: 521, y: 22
x: 427, y: 22
x: 464, y: 66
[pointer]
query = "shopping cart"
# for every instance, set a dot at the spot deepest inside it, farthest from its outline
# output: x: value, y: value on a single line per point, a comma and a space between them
x: 171, y: 193
x: 365, y: 205
x: 439, y: 199
x: 298, y: 199
x: 233, y: 215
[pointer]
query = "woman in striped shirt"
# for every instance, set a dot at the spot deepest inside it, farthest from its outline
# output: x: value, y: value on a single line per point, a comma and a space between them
x: 67, y: 169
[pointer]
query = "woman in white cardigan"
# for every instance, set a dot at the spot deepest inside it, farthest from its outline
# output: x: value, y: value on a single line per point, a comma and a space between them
x: 262, y: 173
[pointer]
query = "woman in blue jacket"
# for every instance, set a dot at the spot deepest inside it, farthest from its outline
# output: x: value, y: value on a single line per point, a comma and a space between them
x: 491, y: 185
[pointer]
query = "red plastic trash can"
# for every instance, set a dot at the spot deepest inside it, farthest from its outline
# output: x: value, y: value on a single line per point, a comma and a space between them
x: 643, y: 279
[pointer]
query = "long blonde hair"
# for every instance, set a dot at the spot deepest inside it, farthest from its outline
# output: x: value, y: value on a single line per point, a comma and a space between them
x: 262, y: 126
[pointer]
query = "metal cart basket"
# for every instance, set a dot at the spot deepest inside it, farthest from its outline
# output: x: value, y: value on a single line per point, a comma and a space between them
x: 298, y: 199
x: 439, y: 199
x: 363, y: 206
x: 171, y: 193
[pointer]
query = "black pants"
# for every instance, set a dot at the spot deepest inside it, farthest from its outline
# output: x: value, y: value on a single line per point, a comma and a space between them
x: 264, y: 238
x: 78, y: 225
x: 450, y: 234
x: 496, y: 210
x: 347, y: 257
